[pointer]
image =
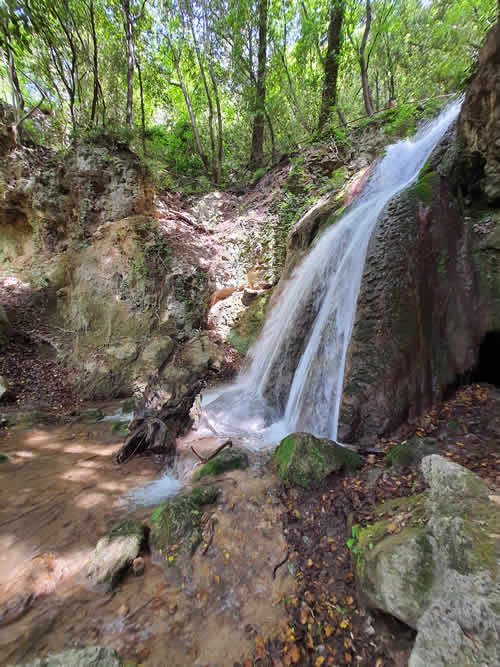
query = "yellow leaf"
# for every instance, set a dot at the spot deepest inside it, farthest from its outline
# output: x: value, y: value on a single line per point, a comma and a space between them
x: 319, y: 661
x: 328, y: 630
x: 343, y: 624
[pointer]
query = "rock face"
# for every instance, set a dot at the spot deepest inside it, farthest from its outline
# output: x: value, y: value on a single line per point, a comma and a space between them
x: 439, y: 573
x: 303, y: 460
x: 114, y: 553
x: 431, y: 285
x: 479, y: 122
x: 92, y: 656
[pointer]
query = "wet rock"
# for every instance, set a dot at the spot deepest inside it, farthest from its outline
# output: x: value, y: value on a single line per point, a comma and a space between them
x: 411, y: 452
x: 228, y: 459
x: 178, y: 521
x: 438, y: 570
x: 114, y: 553
x: 92, y: 656
x: 304, y: 460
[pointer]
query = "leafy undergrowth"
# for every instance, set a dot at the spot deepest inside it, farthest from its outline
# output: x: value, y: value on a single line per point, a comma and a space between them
x: 326, y: 623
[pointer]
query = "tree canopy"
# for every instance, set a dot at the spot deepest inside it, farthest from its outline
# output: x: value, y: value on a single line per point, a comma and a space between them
x: 214, y: 90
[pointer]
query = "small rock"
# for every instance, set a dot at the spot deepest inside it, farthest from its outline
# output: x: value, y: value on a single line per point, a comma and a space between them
x: 138, y: 566
x: 92, y: 656
x: 123, y: 610
x: 114, y: 553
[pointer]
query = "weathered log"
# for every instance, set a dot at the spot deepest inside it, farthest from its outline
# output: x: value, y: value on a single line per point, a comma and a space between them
x: 155, y: 432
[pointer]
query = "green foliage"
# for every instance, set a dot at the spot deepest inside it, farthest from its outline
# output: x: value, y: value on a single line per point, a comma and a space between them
x: 194, y: 62
x: 258, y: 174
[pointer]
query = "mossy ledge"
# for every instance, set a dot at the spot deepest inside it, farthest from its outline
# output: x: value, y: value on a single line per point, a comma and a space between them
x: 303, y: 460
x: 176, y: 524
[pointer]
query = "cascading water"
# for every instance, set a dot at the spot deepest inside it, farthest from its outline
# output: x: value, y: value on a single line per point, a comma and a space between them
x: 296, y: 371
x: 294, y: 381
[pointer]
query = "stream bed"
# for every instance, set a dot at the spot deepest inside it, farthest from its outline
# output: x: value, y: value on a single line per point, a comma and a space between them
x: 61, y: 491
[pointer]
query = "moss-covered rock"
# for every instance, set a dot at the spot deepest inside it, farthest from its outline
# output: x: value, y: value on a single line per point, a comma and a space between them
x: 228, y: 459
x: 249, y: 323
x: 176, y: 524
x: 114, y: 553
x: 411, y: 452
x: 433, y: 562
x: 304, y: 460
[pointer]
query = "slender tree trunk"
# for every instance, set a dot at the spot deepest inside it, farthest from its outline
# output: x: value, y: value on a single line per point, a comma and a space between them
x: 274, y: 153
x: 295, y: 100
x: 367, y: 97
x: 189, y: 107
x: 257, y: 151
x: 331, y: 61
x: 213, y: 155
x: 127, y: 24
x: 95, y: 63
x: 17, y: 95
x: 219, y: 123
x: 143, y: 114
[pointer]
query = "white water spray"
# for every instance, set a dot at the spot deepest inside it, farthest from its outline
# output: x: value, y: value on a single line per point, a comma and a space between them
x: 295, y: 378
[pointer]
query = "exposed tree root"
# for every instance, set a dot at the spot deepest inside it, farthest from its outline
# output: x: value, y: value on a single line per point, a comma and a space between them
x: 156, y: 434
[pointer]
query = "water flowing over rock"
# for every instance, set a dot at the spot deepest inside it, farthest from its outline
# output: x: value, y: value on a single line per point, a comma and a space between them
x: 431, y: 284
x: 297, y: 366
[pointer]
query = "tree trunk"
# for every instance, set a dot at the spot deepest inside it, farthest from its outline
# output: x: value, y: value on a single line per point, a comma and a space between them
x: 127, y: 24
x: 17, y: 96
x: 95, y: 64
x: 331, y: 62
x: 143, y: 114
x: 257, y: 150
x: 219, y: 123
x: 208, y: 95
x: 362, y: 62
x: 192, y: 117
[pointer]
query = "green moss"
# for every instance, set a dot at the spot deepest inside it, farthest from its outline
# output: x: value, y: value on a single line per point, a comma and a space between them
x: 129, y: 528
x: 3, y: 458
x: 303, y: 460
x: 423, y: 187
x: 120, y: 428
x: 176, y: 524
x: 411, y: 451
x: 228, y: 459
x: 338, y: 177
x: 249, y: 324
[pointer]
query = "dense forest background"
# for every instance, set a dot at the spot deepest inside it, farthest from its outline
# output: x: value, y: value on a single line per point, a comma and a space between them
x: 212, y: 92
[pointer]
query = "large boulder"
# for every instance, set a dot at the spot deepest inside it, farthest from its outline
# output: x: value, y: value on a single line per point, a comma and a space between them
x: 304, y: 460
x: 92, y: 656
x: 433, y: 562
x: 113, y: 554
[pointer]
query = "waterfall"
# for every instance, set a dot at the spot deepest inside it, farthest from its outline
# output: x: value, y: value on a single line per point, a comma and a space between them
x: 295, y: 377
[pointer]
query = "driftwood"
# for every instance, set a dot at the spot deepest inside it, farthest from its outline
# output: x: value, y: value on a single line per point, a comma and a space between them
x: 204, y: 459
x: 156, y: 433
